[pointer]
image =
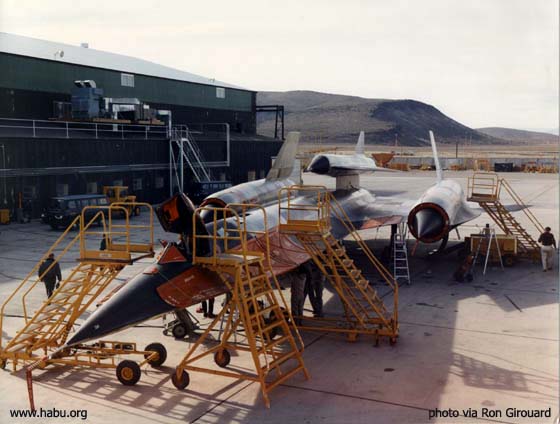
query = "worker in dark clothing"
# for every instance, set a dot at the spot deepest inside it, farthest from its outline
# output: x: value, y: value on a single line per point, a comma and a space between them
x: 548, y: 246
x: 103, y: 244
x: 297, y: 279
x: 207, y: 308
x: 50, y: 274
x: 314, y: 284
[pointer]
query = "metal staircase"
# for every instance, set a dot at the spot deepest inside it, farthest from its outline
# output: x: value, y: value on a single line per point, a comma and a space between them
x: 309, y: 220
x: 485, y: 189
x: 187, y: 151
x: 253, y: 307
x: 46, y: 330
x: 401, y: 270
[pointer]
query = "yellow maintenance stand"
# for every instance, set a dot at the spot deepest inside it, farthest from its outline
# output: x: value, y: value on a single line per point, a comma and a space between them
x: 44, y: 332
x: 306, y: 214
x: 253, y: 306
x: 486, y: 188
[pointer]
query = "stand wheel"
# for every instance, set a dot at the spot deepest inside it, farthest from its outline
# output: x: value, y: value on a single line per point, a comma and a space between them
x: 182, y: 381
x: 179, y: 331
x: 128, y: 372
x: 222, y: 358
x: 393, y: 341
x: 3, y: 363
x: 161, y: 354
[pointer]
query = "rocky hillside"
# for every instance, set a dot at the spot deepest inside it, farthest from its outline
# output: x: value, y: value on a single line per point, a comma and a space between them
x: 513, y: 135
x: 332, y: 118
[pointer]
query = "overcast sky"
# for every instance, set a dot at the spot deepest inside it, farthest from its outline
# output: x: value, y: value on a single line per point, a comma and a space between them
x: 482, y: 62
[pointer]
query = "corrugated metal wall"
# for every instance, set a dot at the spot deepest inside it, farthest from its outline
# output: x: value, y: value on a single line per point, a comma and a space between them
x: 36, y: 167
x: 29, y: 86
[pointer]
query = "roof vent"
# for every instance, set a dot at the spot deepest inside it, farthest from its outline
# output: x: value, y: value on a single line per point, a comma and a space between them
x: 84, y: 45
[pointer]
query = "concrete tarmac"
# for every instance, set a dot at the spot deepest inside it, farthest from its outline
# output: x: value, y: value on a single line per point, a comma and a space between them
x: 488, y: 347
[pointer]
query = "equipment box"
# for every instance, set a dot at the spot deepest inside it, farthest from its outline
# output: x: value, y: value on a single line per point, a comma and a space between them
x: 507, y: 243
x: 4, y: 216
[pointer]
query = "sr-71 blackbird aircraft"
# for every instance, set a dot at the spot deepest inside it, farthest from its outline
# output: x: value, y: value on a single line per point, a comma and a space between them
x: 173, y: 282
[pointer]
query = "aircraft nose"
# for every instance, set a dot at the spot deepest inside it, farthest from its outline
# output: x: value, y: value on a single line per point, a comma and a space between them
x: 428, y: 224
x: 137, y: 301
x: 319, y: 165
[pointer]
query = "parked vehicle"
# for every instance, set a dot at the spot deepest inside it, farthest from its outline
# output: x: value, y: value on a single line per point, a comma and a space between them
x: 63, y: 210
x: 119, y: 194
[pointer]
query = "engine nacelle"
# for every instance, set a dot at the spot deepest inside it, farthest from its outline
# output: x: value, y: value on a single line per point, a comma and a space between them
x: 338, y: 165
x: 440, y: 209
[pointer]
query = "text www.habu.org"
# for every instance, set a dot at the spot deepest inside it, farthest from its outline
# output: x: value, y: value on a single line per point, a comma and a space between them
x: 49, y: 413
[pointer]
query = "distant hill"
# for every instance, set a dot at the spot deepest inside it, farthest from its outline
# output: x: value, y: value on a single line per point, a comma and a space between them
x: 333, y: 118
x: 511, y: 134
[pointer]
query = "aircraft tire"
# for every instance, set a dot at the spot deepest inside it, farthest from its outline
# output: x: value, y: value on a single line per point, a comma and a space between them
x: 179, y: 331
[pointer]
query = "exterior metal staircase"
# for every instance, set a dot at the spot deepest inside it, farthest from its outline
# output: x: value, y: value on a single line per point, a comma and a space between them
x: 253, y: 306
x: 47, y: 329
x: 310, y: 222
x: 485, y: 189
x: 187, y: 151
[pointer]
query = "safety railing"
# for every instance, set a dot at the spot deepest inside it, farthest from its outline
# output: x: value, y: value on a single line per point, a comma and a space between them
x: 225, y: 236
x: 230, y: 234
x: 385, y: 274
x: 31, y: 280
x: 262, y: 240
x: 114, y: 230
x: 483, y: 186
x: 523, y: 206
x: 311, y: 208
x: 487, y: 186
x: 119, y: 252
x: 74, y: 129
x: 304, y: 209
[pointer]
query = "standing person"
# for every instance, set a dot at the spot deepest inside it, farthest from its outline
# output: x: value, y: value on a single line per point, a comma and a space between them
x: 548, y: 247
x: 208, y: 310
x: 314, y: 288
x: 51, y: 276
x: 297, y: 288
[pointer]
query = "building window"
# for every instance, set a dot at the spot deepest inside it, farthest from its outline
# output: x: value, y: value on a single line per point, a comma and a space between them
x: 220, y: 92
x: 127, y: 80
x: 137, y: 184
x: 159, y: 182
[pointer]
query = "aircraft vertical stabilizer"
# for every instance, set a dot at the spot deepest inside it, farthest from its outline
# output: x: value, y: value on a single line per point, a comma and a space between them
x: 439, y: 172
x: 360, y: 144
x: 284, y: 164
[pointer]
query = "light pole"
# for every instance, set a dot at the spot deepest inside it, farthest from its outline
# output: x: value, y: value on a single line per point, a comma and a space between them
x: 4, y: 168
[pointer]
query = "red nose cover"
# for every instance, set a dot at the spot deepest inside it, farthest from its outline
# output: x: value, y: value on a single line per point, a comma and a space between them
x: 191, y: 287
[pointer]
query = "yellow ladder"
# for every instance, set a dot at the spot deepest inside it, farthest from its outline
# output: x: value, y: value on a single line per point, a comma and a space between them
x: 485, y: 189
x: 253, y: 307
x: 47, y: 329
x: 307, y: 215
